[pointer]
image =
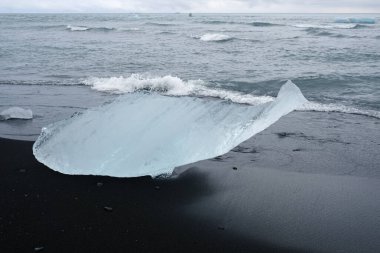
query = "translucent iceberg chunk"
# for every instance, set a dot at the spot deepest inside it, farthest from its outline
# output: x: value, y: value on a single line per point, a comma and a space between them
x: 150, y: 134
x: 16, y: 113
x: 356, y: 20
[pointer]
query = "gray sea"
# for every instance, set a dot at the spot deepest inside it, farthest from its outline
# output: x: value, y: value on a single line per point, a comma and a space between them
x: 58, y: 64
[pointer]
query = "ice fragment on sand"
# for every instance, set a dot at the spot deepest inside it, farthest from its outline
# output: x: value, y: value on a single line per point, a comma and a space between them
x: 16, y: 113
x: 150, y: 134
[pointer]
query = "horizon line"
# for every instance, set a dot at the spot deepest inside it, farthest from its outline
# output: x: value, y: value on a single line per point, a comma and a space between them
x: 377, y: 13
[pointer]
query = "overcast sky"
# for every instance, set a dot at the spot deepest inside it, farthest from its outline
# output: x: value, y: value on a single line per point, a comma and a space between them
x: 213, y: 6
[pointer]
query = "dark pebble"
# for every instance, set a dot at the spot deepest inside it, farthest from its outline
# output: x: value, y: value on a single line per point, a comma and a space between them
x: 234, y: 168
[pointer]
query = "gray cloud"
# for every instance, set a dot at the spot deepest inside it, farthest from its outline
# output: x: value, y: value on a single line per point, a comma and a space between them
x: 252, y: 6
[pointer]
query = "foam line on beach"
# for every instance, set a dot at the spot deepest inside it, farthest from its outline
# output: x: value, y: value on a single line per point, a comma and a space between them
x: 170, y: 85
x: 175, y: 86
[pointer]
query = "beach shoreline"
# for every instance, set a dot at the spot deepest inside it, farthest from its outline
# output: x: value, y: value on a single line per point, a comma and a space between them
x: 62, y: 213
x: 281, y: 111
x: 284, y: 181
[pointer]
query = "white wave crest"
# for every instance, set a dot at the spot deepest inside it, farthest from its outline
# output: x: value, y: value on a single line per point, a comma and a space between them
x: 77, y: 28
x: 175, y: 86
x: 215, y: 37
x: 318, y: 107
x: 99, y: 29
x: 170, y: 85
x: 129, y: 29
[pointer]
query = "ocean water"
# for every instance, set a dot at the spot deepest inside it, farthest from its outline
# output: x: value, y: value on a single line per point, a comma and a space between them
x: 58, y: 64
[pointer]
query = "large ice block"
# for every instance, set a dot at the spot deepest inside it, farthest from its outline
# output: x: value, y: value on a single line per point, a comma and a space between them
x: 150, y: 134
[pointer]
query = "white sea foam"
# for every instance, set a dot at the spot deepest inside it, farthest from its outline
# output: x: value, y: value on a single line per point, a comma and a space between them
x: 170, y: 85
x: 16, y: 113
x: 174, y: 86
x: 85, y: 28
x: 149, y: 134
x: 128, y: 29
x: 314, y: 106
x: 77, y: 28
x: 215, y: 37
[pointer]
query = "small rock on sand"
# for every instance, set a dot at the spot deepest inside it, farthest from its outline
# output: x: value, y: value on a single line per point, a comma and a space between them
x: 38, y: 249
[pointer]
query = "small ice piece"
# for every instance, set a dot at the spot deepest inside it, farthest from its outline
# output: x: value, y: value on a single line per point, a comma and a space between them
x: 16, y: 113
x: 150, y: 134
x: 356, y: 20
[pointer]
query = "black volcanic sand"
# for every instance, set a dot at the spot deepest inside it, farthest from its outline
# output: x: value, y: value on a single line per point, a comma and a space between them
x: 309, y: 183
x: 61, y: 213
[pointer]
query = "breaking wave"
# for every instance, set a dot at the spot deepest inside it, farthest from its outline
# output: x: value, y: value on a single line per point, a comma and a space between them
x: 170, y: 85
x: 175, y: 86
x: 215, y: 37
x: 256, y: 23
x: 85, y: 28
x: 77, y: 28
x: 101, y: 29
x: 128, y: 29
